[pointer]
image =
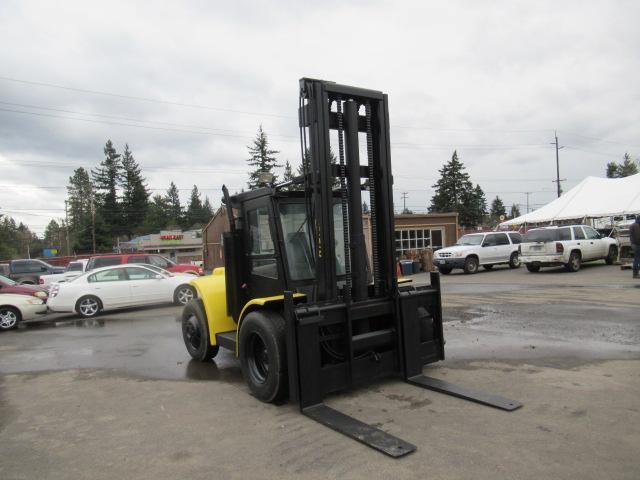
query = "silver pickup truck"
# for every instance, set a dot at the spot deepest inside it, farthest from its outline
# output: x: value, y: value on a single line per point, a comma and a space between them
x: 74, y: 269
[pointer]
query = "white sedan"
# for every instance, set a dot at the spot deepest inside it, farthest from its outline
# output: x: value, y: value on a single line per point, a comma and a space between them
x: 15, y: 307
x: 119, y: 286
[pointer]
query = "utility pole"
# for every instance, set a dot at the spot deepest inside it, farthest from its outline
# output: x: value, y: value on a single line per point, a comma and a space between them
x: 66, y: 224
x: 527, y: 194
x: 404, y: 201
x: 557, y: 180
x: 93, y: 224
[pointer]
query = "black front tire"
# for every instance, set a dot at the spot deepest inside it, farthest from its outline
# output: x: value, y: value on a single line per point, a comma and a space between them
x: 195, y: 333
x: 533, y: 268
x: 445, y: 270
x: 612, y: 255
x: 263, y: 357
x: 9, y: 318
x: 471, y: 265
x: 514, y: 260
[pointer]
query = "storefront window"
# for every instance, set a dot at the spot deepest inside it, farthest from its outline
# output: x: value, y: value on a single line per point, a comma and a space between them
x: 418, y: 239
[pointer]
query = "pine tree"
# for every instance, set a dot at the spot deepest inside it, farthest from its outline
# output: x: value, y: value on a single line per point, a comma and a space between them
x: 455, y: 193
x: 365, y: 207
x: 106, y: 179
x: 262, y: 158
x: 515, y: 211
x: 196, y: 214
x: 157, y: 215
x: 174, y: 209
x: 84, y: 214
x: 620, y: 170
x: 497, y: 209
x: 135, y: 196
x: 52, y: 235
x: 208, y: 208
x: 306, y: 164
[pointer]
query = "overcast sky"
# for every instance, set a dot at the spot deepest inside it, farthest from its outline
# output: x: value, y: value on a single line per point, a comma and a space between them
x: 186, y: 86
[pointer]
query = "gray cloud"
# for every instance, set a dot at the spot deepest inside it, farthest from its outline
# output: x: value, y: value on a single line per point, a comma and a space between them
x: 492, y: 80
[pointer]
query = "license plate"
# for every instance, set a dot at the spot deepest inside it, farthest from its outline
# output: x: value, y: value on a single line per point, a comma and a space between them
x: 442, y: 262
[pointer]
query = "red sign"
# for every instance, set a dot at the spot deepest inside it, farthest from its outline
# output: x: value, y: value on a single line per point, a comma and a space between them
x: 171, y: 237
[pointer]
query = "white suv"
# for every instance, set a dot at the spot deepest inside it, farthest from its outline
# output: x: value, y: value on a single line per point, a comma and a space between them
x: 486, y: 249
x: 568, y: 246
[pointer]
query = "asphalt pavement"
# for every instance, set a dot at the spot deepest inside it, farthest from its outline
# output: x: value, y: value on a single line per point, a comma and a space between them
x: 118, y: 396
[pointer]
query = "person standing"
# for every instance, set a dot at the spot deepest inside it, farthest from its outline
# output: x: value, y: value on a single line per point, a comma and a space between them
x: 634, y: 237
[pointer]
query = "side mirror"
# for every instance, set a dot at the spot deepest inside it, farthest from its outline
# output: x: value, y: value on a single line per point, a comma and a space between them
x: 43, y: 269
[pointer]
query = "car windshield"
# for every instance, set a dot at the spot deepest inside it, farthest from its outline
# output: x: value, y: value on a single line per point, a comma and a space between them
x: 470, y: 240
x: 7, y: 281
x: 541, y: 235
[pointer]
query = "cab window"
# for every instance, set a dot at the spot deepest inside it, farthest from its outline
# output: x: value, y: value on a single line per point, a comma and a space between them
x: 293, y: 217
x: 261, y: 244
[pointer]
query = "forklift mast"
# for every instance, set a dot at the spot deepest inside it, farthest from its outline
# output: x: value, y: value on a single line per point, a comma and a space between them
x: 356, y: 115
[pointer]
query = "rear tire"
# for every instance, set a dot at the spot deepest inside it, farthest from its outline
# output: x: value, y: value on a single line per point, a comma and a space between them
x: 574, y: 262
x: 9, y: 318
x: 445, y: 270
x: 88, y: 306
x: 471, y: 265
x: 263, y: 357
x: 514, y: 260
x: 533, y: 268
x: 612, y: 255
x: 183, y: 294
x: 195, y: 333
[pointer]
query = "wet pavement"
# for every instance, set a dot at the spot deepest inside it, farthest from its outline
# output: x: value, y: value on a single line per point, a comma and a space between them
x: 118, y: 396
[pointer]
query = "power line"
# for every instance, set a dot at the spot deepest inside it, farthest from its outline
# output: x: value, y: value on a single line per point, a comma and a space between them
x: 142, y: 99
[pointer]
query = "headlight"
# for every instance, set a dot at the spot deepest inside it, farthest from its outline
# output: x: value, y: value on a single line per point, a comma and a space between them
x: 458, y: 254
x: 34, y: 301
x: 40, y: 294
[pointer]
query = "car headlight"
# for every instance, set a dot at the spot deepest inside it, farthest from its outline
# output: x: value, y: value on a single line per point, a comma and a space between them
x: 34, y: 301
x: 40, y: 294
x: 458, y: 254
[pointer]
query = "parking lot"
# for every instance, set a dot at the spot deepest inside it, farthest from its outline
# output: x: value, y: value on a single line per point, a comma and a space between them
x: 118, y: 397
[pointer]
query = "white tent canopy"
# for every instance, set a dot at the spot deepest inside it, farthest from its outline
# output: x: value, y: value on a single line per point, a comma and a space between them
x: 592, y: 198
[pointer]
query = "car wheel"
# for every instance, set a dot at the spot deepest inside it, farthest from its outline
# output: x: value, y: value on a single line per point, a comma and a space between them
x: 195, y: 333
x: 574, y: 262
x: 445, y: 270
x: 9, y: 318
x: 612, y: 255
x: 514, y: 260
x: 471, y: 265
x: 263, y: 357
x: 184, y: 294
x: 89, y: 306
x: 487, y: 267
x: 533, y: 268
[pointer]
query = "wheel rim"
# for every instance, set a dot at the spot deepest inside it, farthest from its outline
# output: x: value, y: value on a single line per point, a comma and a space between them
x: 516, y: 260
x: 8, y: 319
x: 89, y: 307
x: 192, y: 333
x: 258, y: 360
x: 575, y: 263
x: 473, y: 266
x: 185, y: 295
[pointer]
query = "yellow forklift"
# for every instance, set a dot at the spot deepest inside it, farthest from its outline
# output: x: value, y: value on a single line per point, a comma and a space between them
x: 298, y: 301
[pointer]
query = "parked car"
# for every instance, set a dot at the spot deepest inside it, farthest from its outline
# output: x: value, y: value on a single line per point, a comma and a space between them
x: 74, y: 269
x: 4, y: 269
x: 119, y: 286
x: 29, y: 270
x: 151, y: 259
x: 480, y: 249
x: 16, y: 308
x: 569, y: 245
x: 9, y: 286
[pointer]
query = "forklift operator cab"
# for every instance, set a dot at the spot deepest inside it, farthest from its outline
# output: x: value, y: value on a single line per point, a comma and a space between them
x: 303, y: 305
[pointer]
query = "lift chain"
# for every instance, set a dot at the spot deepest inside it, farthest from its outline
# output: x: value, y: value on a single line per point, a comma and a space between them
x: 372, y: 204
x: 343, y: 199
